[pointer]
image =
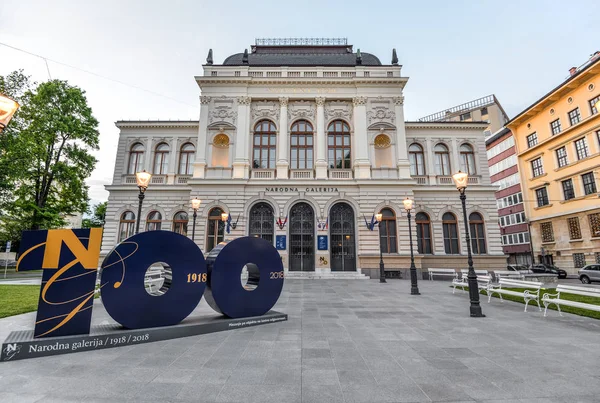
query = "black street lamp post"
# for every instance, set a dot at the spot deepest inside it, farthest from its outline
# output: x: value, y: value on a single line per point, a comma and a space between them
x: 414, y: 288
x: 195, y: 205
x: 379, y: 217
x: 461, y: 180
x: 143, y: 180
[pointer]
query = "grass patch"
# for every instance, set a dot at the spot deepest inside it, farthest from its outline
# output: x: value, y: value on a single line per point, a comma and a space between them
x: 17, y: 299
x: 563, y: 295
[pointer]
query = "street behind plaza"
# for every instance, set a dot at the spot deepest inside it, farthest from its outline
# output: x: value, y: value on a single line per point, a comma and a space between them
x: 345, y: 341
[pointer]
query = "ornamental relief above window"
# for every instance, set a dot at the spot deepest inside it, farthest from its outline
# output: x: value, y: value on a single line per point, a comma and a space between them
x: 264, y: 109
x: 338, y: 110
x: 301, y: 110
x: 223, y: 111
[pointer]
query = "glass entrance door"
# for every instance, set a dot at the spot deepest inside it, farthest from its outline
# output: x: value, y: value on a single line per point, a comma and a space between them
x: 302, y: 238
x: 343, y: 243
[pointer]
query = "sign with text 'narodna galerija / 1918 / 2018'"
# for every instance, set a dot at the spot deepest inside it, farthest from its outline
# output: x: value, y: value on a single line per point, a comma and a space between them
x: 69, y: 259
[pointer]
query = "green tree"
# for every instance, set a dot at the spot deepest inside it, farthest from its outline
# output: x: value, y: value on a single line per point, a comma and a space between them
x: 52, y: 153
x: 97, y: 218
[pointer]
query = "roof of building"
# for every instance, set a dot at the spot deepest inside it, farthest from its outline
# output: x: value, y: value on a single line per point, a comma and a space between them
x: 592, y: 61
x: 497, y: 135
x: 446, y: 114
x: 302, y: 52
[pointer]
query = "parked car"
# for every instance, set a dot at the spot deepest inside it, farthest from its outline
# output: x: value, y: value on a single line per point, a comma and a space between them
x: 546, y: 268
x: 521, y: 268
x: 589, y: 273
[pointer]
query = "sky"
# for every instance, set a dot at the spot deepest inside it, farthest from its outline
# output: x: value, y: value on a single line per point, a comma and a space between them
x: 452, y: 51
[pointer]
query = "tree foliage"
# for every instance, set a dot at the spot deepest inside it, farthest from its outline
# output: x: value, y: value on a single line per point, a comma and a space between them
x: 49, y: 153
x: 97, y: 218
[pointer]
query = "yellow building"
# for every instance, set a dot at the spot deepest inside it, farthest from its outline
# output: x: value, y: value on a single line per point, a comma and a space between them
x: 558, y: 152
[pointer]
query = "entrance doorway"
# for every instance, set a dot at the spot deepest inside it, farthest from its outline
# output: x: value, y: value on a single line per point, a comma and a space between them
x: 343, y: 243
x: 302, y: 238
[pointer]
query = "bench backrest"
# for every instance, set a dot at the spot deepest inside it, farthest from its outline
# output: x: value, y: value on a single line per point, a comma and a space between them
x: 431, y: 270
x: 509, y: 282
x: 478, y: 272
x: 572, y: 289
x: 484, y: 279
x: 507, y: 273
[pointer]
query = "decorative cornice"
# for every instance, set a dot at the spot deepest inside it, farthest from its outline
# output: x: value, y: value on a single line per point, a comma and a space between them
x: 320, y: 101
x: 156, y: 123
x: 357, y: 101
x: 244, y: 100
x: 204, y: 100
x: 283, y: 102
x: 398, y: 100
x: 447, y: 125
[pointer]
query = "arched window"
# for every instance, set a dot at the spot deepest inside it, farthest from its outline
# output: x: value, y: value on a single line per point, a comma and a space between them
x: 262, y: 222
x: 126, y: 225
x: 161, y: 159
x: 215, y: 229
x: 265, y: 140
x: 450, y: 234
x: 186, y: 159
x: 423, y: 233
x: 301, y: 146
x: 417, y: 159
x: 220, y: 151
x: 387, y: 231
x: 338, y: 145
x: 180, y: 223
x: 442, y: 160
x: 477, y: 233
x: 153, y: 221
x: 136, y: 159
x: 467, y: 159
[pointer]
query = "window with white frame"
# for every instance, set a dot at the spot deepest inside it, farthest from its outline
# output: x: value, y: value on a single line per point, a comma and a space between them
x: 515, y: 239
x: 500, y: 147
x: 504, y: 164
x: 508, y: 181
x: 510, y: 200
x: 512, y: 219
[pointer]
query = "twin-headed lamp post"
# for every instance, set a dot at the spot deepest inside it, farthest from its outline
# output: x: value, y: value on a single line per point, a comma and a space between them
x: 143, y: 180
x: 414, y: 288
x: 8, y: 107
x: 379, y: 218
x: 461, y: 180
x: 195, y: 206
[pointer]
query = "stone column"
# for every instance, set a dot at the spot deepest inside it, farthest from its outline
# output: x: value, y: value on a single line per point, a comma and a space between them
x: 282, y: 140
x: 200, y: 160
x: 240, y: 161
x: 430, y: 161
x: 362, y: 165
x: 401, y: 146
x: 321, y: 140
x: 455, y: 166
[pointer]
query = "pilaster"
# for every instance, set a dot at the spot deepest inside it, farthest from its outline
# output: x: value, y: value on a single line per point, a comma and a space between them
x: 282, y: 140
x: 200, y: 162
x: 401, y: 146
x: 321, y: 141
x: 362, y: 165
x: 240, y: 162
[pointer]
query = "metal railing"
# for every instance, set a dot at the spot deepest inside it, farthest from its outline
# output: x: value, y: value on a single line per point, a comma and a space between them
x: 301, y: 41
x: 445, y: 114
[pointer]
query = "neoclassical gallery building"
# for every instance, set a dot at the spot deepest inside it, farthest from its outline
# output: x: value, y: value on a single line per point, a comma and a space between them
x: 301, y: 142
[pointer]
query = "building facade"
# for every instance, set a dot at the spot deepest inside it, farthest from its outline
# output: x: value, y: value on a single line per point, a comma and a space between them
x: 301, y: 143
x: 504, y: 174
x: 485, y: 109
x: 558, y: 145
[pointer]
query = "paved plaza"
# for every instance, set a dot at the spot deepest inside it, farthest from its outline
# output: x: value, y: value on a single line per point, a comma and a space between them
x: 345, y: 341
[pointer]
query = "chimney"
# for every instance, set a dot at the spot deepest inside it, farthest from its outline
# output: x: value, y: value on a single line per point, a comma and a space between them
x: 572, y: 70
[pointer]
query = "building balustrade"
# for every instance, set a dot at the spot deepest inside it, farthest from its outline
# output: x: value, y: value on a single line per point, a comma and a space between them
x: 158, y: 179
x: 340, y: 174
x: 445, y: 180
x: 182, y: 179
x: 263, y: 174
x: 301, y: 174
x: 421, y: 180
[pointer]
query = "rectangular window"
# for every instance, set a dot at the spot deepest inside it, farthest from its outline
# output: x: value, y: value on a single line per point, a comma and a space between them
x: 547, y: 232
x: 465, y: 116
x: 574, y: 228
x: 597, y: 256
x: 579, y: 260
x: 531, y: 140
x: 561, y: 157
x: 581, y: 148
x: 555, y: 126
x: 568, y: 191
x: 589, y: 183
x: 594, y: 224
x: 593, y: 103
x: 537, y: 167
x: 574, y: 116
x: 501, y: 147
x: 541, y: 195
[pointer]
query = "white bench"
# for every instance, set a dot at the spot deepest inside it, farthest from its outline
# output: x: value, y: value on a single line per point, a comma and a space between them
x: 508, y: 274
x: 442, y: 272
x: 483, y: 282
x: 465, y: 272
x: 555, y: 299
x: 532, y: 292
